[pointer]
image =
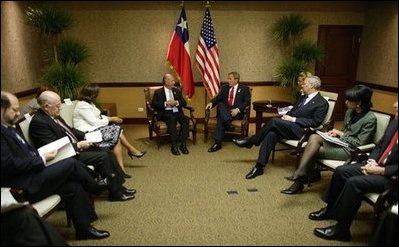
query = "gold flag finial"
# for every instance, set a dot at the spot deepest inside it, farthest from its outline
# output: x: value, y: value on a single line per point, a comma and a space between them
x: 181, y: 3
x: 207, y: 4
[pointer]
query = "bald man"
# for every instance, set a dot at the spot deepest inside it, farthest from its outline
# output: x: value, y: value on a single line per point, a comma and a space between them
x: 47, y: 126
x: 168, y: 102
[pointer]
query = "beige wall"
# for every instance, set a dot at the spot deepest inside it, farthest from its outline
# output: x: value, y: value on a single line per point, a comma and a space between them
x: 128, y: 42
x: 378, y: 60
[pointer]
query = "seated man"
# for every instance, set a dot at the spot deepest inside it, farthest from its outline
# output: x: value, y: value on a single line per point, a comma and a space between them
x: 309, y: 111
x: 47, y: 126
x: 350, y: 182
x: 231, y: 102
x: 22, y: 167
x: 168, y: 102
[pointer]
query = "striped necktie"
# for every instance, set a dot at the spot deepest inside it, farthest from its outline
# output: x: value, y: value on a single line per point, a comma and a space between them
x: 67, y: 131
x: 22, y: 142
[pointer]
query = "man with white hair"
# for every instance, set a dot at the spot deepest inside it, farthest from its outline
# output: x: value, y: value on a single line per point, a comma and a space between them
x: 309, y: 111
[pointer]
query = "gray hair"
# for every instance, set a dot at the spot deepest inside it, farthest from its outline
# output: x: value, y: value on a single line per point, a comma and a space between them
x: 314, y: 81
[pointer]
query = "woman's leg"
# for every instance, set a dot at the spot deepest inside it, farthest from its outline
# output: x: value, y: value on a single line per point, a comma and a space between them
x: 313, y: 147
x: 128, y: 146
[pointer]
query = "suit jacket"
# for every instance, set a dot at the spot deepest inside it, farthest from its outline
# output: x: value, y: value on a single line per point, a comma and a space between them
x: 391, y: 165
x: 242, y: 98
x: 43, y: 129
x: 312, y: 114
x: 159, y: 98
x: 18, y: 167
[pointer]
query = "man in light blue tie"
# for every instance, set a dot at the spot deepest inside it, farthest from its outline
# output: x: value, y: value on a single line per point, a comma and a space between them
x: 168, y: 102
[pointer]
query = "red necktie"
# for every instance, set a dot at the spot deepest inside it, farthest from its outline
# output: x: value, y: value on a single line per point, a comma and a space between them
x: 231, y: 96
x: 388, y: 149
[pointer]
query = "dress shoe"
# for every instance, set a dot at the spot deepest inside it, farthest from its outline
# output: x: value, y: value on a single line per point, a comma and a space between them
x: 121, y: 196
x: 105, y: 183
x: 174, y: 150
x: 333, y: 233
x: 243, y: 143
x: 215, y: 147
x: 91, y: 233
x: 128, y: 191
x: 321, y: 214
x: 295, y: 188
x: 141, y: 154
x: 125, y: 175
x: 183, y: 148
x: 256, y: 171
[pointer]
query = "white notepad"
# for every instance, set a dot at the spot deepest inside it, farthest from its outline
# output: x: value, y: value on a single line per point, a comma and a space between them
x: 63, y: 146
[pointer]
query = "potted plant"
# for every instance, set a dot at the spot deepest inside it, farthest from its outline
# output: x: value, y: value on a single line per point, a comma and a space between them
x: 63, y: 70
x: 298, y: 54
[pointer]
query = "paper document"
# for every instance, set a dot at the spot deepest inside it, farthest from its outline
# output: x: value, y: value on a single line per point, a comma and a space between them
x: 331, y: 139
x: 8, y: 202
x: 94, y: 136
x: 64, y: 147
x: 284, y: 110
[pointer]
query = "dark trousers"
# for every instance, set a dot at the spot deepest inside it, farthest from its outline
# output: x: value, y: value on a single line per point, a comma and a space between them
x: 345, y: 192
x: 273, y: 131
x: 223, y: 118
x: 69, y: 179
x: 105, y: 163
x: 23, y: 227
x: 171, y: 119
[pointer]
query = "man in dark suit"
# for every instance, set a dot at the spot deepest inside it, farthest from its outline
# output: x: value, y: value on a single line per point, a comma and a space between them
x: 168, y: 102
x: 309, y: 111
x: 350, y: 182
x: 47, y: 126
x: 231, y: 102
x: 22, y: 167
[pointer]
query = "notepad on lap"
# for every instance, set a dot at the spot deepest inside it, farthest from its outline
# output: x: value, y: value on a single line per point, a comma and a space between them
x: 63, y: 146
x: 331, y: 139
x: 94, y: 136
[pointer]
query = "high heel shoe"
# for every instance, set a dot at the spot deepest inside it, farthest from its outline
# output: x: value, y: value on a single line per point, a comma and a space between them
x: 125, y: 175
x: 131, y: 155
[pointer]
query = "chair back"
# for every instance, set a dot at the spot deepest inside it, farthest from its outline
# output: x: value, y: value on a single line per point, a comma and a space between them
x: 382, y: 124
x: 67, y: 112
x: 332, y: 101
x: 329, y: 95
x: 148, y: 95
x: 24, y: 128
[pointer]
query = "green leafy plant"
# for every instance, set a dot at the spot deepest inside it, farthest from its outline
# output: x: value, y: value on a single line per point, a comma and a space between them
x: 66, y: 78
x: 49, y: 20
x: 64, y: 70
x: 298, y: 54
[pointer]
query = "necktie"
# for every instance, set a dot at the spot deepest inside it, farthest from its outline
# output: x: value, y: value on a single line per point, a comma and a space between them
x: 22, y: 142
x: 388, y: 149
x: 67, y: 131
x: 231, y: 97
x: 174, y: 108
x: 303, y: 101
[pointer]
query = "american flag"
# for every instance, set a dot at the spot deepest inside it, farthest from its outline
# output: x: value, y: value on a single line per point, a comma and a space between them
x: 178, y: 54
x: 207, y: 56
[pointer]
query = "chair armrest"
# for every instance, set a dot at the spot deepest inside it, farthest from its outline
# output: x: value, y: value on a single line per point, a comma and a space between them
x: 366, y: 148
x: 189, y: 108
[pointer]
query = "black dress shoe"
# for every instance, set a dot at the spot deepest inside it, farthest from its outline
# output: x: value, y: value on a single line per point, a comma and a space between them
x: 256, y: 171
x: 174, y: 150
x: 321, y: 214
x: 121, y: 196
x: 215, y: 147
x: 125, y: 175
x: 243, y: 143
x: 295, y: 188
x: 91, y: 233
x: 183, y: 148
x: 333, y: 233
x: 128, y: 191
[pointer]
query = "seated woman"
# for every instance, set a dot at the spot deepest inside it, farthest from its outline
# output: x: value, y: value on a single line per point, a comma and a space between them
x: 359, y: 129
x: 87, y: 117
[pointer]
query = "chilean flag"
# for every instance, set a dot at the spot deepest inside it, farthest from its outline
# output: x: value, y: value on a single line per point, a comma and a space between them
x: 179, y: 54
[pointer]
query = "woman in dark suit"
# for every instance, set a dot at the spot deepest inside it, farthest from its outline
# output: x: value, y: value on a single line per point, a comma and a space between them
x: 359, y: 129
